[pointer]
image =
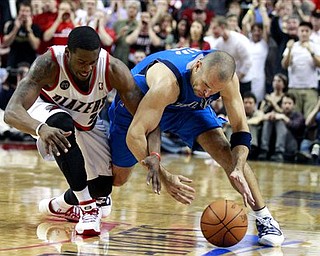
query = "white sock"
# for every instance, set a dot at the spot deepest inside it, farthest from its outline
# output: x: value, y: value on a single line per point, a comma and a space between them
x: 83, y: 195
x: 59, y: 204
x: 264, y: 212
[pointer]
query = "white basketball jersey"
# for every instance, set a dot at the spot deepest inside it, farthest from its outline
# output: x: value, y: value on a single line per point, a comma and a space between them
x: 82, y: 106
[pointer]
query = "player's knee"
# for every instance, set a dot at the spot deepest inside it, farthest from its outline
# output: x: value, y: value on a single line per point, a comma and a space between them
x: 120, y: 176
x: 62, y: 121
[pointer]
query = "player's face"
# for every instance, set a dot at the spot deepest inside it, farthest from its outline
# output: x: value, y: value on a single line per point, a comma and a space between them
x: 204, y: 83
x: 81, y: 62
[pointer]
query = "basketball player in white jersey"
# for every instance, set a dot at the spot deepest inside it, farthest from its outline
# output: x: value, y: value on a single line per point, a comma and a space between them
x: 58, y: 103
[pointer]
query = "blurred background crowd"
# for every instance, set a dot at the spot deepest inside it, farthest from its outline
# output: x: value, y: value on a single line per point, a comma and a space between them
x: 276, y: 46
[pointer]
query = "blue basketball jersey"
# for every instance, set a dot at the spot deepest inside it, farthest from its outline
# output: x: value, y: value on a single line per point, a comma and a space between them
x: 179, y: 61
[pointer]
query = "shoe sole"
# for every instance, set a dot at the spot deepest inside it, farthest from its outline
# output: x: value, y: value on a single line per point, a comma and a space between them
x: 88, y: 232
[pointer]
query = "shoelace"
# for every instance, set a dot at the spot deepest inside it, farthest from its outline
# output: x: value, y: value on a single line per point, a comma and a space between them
x: 265, y: 227
x: 90, y: 216
x: 73, y: 212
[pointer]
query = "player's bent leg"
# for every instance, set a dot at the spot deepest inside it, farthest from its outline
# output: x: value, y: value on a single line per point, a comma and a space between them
x: 121, y: 175
x: 217, y: 145
x: 100, y: 188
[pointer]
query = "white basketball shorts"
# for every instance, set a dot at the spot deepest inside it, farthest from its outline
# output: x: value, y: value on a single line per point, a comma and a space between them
x: 93, y: 144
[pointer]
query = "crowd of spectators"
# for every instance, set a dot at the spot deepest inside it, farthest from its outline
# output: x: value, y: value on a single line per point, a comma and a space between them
x: 275, y: 43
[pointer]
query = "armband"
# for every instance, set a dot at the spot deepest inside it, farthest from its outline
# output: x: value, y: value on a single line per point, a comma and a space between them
x: 39, y: 127
x: 241, y: 138
x: 156, y: 154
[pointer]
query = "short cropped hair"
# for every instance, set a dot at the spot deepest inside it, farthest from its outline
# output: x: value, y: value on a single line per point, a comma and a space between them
x: 223, y: 62
x: 83, y: 37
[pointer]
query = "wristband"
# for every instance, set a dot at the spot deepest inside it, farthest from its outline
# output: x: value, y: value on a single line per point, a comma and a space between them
x: 241, y: 138
x: 156, y: 154
x: 39, y: 127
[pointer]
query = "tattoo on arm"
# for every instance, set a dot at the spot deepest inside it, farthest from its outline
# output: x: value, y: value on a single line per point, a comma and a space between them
x: 41, y: 73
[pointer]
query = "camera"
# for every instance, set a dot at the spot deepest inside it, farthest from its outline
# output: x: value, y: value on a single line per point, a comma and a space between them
x: 66, y: 16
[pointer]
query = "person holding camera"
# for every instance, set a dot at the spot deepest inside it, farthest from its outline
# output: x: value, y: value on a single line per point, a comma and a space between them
x: 22, y: 36
x: 59, y: 31
x: 142, y: 38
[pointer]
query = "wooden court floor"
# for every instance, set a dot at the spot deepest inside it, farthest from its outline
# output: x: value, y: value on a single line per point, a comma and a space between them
x: 142, y: 223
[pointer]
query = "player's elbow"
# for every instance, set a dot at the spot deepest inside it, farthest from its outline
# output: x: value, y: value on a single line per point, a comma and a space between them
x: 132, y: 136
x: 8, y: 116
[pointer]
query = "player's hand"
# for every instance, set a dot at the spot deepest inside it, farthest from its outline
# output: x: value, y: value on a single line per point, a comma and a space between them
x: 55, y: 139
x: 238, y: 179
x: 152, y: 163
x: 175, y: 186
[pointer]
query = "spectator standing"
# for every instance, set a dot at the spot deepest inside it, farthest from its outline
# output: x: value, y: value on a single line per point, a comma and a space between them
x: 44, y: 21
x: 301, y: 58
x: 284, y: 27
x: 197, y: 32
x: 124, y: 28
x: 181, y: 34
x: 258, y: 37
x: 164, y: 31
x: 22, y: 36
x: 236, y: 45
x: 142, y: 38
x: 59, y: 30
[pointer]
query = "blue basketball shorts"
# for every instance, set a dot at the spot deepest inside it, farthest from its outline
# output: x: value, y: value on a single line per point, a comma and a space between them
x: 187, y: 124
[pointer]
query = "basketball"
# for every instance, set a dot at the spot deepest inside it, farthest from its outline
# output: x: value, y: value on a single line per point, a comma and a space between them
x: 224, y: 223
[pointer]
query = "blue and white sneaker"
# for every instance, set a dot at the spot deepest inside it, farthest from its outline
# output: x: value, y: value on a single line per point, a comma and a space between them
x: 105, y: 205
x: 269, y: 232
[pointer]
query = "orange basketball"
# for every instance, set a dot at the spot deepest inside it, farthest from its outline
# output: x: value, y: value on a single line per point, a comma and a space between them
x: 224, y: 223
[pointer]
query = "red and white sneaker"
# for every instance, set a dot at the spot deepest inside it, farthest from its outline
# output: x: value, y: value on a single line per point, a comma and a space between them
x: 72, y: 214
x: 90, y: 220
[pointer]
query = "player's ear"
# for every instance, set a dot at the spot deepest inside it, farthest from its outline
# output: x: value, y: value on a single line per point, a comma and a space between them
x: 198, y: 65
x: 67, y: 52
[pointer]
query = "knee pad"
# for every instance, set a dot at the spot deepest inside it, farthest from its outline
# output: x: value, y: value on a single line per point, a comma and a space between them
x: 101, y: 186
x: 64, y: 122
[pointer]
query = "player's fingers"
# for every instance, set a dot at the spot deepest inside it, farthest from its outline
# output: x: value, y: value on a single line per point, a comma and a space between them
x: 245, y: 200
x: 149, y: 177
x: 62, y: 143
x: 184, y: 179
x: 187, y: 188
x: 54, y: 149
x: 155, y: 183
x: 183, y: 199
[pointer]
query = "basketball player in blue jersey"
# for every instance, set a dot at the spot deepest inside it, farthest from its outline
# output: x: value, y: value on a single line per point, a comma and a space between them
x: 58, y: 103
x: 179, y: 85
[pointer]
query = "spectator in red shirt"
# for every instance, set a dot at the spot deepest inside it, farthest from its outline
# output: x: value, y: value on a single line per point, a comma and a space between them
x: 59, y: 30
x: 44, y: 21
x: 197, y: 32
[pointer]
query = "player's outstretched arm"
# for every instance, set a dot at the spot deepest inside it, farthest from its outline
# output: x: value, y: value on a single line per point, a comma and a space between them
x: 163, y: 90
x: 237, y: 118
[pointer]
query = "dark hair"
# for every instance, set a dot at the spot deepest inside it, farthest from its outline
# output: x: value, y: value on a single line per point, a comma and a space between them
x: 249, y: 95
x: 85, y: 38
x: 306, y: 24
x: 291, y: 96
x: 284, y: 79
x: 24, y: 3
